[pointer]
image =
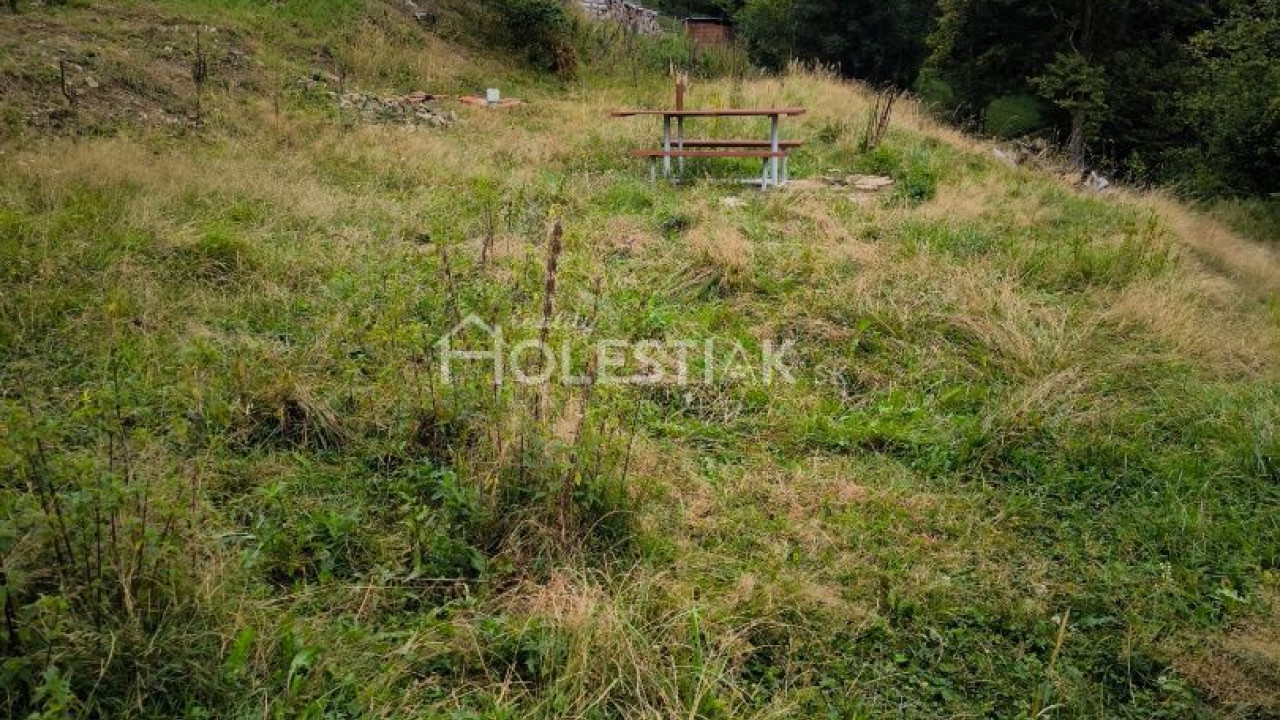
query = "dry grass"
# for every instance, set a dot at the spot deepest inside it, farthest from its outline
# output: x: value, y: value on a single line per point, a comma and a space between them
x: 989, y: 199
x: 1024, y: 337
x: 378, y: 59
x: 623, y: 237
x: 725, y: 249
x: 624, y: 653
x: 1254, y: 266
x: 1232, y: 343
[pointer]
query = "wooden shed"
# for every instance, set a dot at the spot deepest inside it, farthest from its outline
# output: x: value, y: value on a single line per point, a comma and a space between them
x: 708, y: 30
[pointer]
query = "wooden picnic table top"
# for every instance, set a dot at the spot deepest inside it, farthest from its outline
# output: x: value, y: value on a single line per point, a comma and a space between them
x: 726, y: 112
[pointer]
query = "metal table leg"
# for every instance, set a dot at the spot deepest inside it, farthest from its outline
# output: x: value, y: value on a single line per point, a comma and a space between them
x: 773, y: 146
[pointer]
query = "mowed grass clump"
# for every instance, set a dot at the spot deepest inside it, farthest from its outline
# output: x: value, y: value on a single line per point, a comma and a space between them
x: 1026, y: 468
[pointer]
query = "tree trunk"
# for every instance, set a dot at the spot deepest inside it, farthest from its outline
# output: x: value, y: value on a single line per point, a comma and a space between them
x: 1076, y: 143
x: 1086, y: 29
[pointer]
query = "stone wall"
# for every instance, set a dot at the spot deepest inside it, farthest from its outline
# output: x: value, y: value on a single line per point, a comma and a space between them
x: 632, y: 16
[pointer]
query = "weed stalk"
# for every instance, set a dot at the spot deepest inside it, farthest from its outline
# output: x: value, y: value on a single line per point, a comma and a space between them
x: 554, y: 247
x: 199, y: 73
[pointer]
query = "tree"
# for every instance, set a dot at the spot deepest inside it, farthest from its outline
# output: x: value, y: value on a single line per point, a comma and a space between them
x: 1235, y: 107
x: 981, y: 50
x: 685, y: 8
x: 1115, y: 76
x: 874, y: 40
x: 1078, y: 87
x: 767, y: 27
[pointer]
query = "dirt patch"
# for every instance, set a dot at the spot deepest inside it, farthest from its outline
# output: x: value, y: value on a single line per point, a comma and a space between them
x: 1241, y: 668
x: 92, y: 71
x: 625, y: 237
x: 856, y: 183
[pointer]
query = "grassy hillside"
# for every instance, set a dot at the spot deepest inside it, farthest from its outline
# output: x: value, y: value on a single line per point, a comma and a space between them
x: 1028, y: 466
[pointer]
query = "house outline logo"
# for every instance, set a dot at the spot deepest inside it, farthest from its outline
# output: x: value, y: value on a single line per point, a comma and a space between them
x: 447, y: 353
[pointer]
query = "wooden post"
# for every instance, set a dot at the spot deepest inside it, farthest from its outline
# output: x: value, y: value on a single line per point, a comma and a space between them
x: 680, y: 88
x: 66, y: 89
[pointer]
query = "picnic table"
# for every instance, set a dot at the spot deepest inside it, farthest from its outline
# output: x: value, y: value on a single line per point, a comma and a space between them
x: 773, y: 151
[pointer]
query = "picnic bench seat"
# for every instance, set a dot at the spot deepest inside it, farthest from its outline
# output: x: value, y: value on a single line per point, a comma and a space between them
x: 709, y: 153
x: 727, y: 149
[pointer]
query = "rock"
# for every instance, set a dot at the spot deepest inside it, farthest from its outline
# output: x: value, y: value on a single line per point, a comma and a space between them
x: 869, y: 183
x: 424, y: 15
x: 861, y: 183
x: 407, y: 110
x: 1095, y: 182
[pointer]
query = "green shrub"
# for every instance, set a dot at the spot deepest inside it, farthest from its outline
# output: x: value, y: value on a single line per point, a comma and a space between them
x: 914, y: 171
x: 934, y: 90
x: 661, y: 52
x: 95, y: 558
x: 767, y: 26
x: 1013, y: 115
x: 541, y: 29
x: 919, y: 184
x: 884, y: 160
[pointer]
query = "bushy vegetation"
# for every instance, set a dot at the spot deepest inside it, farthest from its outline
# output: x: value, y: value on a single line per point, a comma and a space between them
x: 540, y: 29
x: 1028, y: 467
x: 1178, y: 93
x: 1012, y: 116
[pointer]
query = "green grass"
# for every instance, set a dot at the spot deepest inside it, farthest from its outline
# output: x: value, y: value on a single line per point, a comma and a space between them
x: 1029, y: 460
x: 1254, y: 218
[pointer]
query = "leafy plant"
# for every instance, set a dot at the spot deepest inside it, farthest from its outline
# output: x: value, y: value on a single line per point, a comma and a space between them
x: 1079, y: 87
x: 541, y: 29
x: 1013, y: 115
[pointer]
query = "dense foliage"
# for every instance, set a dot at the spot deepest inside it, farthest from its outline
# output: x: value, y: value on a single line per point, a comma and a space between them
x: 1156, y: 90
x: 1164, y: 91
x: 541, y: 32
